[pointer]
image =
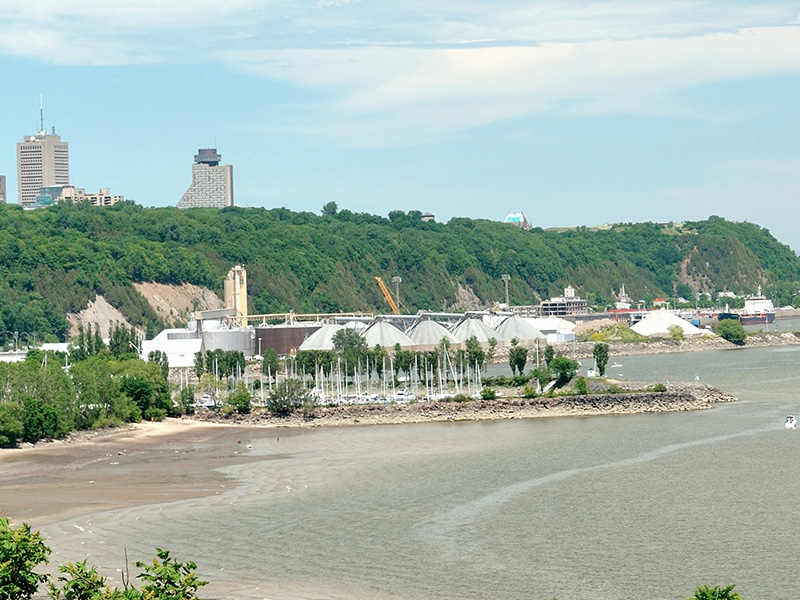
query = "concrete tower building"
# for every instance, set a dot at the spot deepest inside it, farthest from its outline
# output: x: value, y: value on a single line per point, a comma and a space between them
x: 3, y: 196
x: 42, y: 161
x: 236, y: 293
x: 212, y: 183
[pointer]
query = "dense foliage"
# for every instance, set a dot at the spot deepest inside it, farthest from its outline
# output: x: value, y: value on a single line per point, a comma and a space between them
x: 22, y: 551
x: 731, y: 330
x: 54, y: 261
x: 43, y: 399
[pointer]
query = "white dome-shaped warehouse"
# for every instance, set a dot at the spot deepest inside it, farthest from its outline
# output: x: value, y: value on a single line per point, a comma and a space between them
x: 517, y: 327
x: 321, y: 339
x: 385, y: 335
x: 473, y: 326
x: 428, y: 335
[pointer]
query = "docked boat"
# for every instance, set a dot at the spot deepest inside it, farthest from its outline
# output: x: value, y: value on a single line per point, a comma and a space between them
x: 790, y: 422
x: 757, y: 310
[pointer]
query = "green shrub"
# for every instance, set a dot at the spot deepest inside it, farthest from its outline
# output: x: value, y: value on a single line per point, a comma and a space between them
x: 529, y: 391
x: 731, y: 330
x: 286, y: 397
x: 240, y: 400
x: 580, y: 386
x: 488, y: 393
x: 659, y: 387
x: 715, y: 593
x: 21, y: 551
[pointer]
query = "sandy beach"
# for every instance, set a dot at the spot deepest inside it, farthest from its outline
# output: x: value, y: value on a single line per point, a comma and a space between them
x: 93, y: 471
x: 148, y: 463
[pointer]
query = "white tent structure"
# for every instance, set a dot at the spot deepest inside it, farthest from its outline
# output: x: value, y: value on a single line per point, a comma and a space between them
x: 428, y: 335
x: 469, y: 327
x: 321, y: 339
x: 658, y: 323
x: 386, y: 335
x: 517, y: 327
x: 555, y: 329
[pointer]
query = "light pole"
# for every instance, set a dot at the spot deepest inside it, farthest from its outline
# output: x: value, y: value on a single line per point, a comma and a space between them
x: 505, y: 277
x: 397, y: 281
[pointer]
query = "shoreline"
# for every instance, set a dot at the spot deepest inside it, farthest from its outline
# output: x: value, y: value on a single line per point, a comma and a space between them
x: 635, y: 398
x: 93, y: 471
x: 698, y: 344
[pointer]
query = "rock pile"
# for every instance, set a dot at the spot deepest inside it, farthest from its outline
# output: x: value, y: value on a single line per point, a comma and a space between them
x: 678, y: 397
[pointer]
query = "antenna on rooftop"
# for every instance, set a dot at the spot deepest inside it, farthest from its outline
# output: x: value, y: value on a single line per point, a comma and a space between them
x: 41, y: 114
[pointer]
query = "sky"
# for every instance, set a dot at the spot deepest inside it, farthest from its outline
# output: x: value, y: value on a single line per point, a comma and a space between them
x: 572, y: 112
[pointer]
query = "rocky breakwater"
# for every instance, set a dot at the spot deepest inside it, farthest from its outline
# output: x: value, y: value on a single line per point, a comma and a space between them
x: 636, y: 398
x: 581, y: 350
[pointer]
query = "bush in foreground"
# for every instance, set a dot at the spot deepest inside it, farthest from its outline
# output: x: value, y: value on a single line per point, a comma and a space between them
x: 22, y: 551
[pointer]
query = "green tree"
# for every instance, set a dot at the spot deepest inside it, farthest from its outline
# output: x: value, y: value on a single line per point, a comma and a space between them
x: 270, y: 363
x: 600, y: 354
x: 542, y: 374
x: 564, y: 368
x: 142, y: 382
x: 731, y: 330
x: 161, y: 359
x: 286, y: 397
x: 240, y: 400
x: 352, y: 348
x: 186, y: 400
x: 199, y: 364
x: 705, y: 592
x: 549, y: 354
x: 517, y: 357
x: 169, y: 579
x: 79, y: 582
x: 476, y: 356
x: 21, y: 551
x: 11, y: 426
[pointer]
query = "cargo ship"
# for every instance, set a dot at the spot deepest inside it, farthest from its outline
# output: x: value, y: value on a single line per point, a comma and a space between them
x: 757, y: 310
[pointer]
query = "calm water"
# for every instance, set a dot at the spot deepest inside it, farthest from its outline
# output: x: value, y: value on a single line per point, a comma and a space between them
x: 602, y: 508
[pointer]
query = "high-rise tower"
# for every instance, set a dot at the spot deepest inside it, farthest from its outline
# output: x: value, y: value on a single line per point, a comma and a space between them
x: 42, y: 160
x: 212, y: 183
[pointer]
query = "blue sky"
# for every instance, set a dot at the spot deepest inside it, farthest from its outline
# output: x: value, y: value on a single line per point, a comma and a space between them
x: 573, y: 112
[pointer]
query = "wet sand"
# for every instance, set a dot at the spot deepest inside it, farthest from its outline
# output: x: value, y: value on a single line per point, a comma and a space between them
x: 140, y: 464
x: 177, y: 459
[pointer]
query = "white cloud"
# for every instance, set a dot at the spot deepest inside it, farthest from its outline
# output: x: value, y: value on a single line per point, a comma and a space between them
x: 422, y: 67
x: 454, y: 88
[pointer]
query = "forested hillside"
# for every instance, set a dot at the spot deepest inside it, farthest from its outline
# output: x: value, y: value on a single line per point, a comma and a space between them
x: 55, y: 260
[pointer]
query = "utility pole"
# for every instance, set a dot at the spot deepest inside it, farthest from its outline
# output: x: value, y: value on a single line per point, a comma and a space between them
x: 505, y: 277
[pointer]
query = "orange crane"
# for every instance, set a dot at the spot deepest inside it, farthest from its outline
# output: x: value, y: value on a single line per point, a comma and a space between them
x: 387, y: 295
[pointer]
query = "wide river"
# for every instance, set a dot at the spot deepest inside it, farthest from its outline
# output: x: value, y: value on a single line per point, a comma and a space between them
x: 578, y: 508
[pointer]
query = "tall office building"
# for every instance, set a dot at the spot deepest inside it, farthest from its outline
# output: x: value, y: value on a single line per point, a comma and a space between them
x: 212, y: 183
x: 3, y: 196
x: 42, y: 161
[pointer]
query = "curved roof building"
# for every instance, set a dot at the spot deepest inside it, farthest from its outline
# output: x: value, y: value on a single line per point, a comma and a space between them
x: 517, y: 327
x: 321, y: 339
x: 428, y: 335
x: 385, y: 335
x: 473, y: 326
